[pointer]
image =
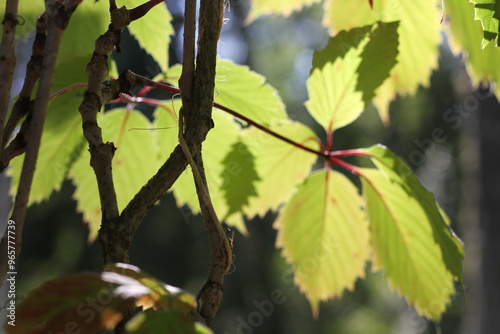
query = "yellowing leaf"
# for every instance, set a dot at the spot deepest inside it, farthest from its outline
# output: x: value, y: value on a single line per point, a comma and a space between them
x: 421, y: 256
x: 324, y: 235
x: 135, y: 161
x: 280, y: 166
x: 347, y: 72
x: 282, y: 7
x: 419, y: 37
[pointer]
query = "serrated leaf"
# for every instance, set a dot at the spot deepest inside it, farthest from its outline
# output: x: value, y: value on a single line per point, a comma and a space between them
x: 280, y: 7
x: 153, y: 31
x: 481, y: 64
x: 347, y: 72
x: 240, y: 89
x: 135, y: 161
x: 488, y: 12
x: 215, y: 148
x: 159, y: 322
x: 421, y: 256
x: 279, y: 165
x: 324, y: 235
x: 419, y: 38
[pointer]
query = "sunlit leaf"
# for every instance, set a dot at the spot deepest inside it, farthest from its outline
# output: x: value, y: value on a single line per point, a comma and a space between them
x: 419, y: 38
x: 420, y: 255
x: 153, y: 31
x: 280, y: 166
x: 280, y: 7
x: 347, y: 72
x: 216, y: 147
x: 240, y: 89
x: 488, y: 12
x: 324, y: 235
x: 159, y: 322
x: 134, y: 162
x: 481, y: 64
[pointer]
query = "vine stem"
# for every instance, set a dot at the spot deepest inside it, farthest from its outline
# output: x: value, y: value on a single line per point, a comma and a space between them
x: 330, y: 156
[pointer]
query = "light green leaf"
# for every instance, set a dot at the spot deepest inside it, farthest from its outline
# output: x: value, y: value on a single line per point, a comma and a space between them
x: 135, y: 161
x: 411, y: 240
x: 281, y: 7
x: 488, y: 12
x: 347, y: 72
x: 242, y: 90
x: 280, y: 166
x: 153, y: 31
x: 481, y: 64
x: 324, y: 235
x: 216, y: 147
x: 419, y: 38
x: 62, y: 143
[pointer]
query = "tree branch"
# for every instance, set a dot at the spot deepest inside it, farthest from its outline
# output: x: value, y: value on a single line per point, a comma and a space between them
x: 57, y: 20
x: 7, y: 59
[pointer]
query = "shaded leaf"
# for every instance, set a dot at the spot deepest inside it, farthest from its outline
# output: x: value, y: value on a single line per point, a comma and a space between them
x: 237, y: 189
x: 347, y: 72
x: 135, y: 161
x: 160, y: 322
x: 280, y: 7
x: 324, y: 235
x: 90, y: 302
x: 153, y: 32
x: 421, y: 256
x: 280, y: 166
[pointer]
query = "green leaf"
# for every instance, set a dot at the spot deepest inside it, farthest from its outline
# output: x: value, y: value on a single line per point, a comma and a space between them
x: 240, y: 89
x: 216, y: 147
x: 153, y: 31
x: 160, y: 322
x: 324, y: 235
x: 135, y: 161
x: 89, y: 302
x: 481, y: 64
x: 419, y: 38
x: 161, y: 295
x: 281, y: 7
x: 411, y: 240
x: 237, y: 189
x: 62, y: 143
x: 347, y: 72
x: 488, y: 12
x: 280, y: 166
